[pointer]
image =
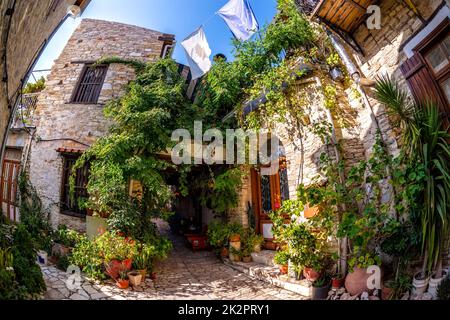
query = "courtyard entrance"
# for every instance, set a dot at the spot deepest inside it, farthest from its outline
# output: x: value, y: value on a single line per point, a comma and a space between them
x: 185, y: 275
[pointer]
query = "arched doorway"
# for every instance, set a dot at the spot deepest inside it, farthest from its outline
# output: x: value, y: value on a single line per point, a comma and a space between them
x: 268, y: 194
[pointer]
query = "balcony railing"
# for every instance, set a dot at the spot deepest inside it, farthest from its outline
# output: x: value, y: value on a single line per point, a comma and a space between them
x: 24, y: 111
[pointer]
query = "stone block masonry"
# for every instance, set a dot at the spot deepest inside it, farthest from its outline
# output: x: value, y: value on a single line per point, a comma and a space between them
x: 26, y: 31
x: 62, y: 124
x: 383, y: 55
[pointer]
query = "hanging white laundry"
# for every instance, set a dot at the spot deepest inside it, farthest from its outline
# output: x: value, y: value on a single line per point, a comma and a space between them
x: 239, y: 17
x: 198, y: 52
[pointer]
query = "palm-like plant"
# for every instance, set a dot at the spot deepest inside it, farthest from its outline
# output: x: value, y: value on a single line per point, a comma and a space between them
x: 425, y: 140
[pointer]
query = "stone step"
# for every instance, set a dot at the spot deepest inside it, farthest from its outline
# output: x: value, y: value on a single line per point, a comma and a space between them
x: 265, y: 257
x: 272, y: 275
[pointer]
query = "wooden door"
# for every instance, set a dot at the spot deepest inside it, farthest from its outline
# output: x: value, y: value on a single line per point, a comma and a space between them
x: 8, y: 189
x: 268, y: 194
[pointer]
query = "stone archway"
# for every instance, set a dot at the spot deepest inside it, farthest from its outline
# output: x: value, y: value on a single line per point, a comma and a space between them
x: 25, y: 30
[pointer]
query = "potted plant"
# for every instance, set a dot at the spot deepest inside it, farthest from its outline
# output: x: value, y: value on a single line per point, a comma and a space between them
x: 247, y: 253
x: 122, y: 281
x: 311, y: 274
x: 64, y: 240
x: 258, y: 241
x: 140, y: 263
x: 337, y: 281
x: 356, y: 280
x: 235, y: 255
x: 224, y: 252
x: 420, y: 283
x: 282, y: 260
x: 217, y: 237
x: 135, y: 278
x: 443, y: 291
x: 435, y: 281
x: 395, y: 288
x: 234, y: 232
x: 320, y: 288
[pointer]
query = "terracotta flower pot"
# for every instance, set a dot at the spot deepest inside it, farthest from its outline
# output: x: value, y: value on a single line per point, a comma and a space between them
x: 284, y: 269
x: 385, y: 293
x: 224, y: 252
x: 123, y: 284
x: 356, y: 281
x: 128, y: 263
x: 247, y: 259
x: 310, y: 274
x: 235, y: 238
x: 113, y: 268
x: 337, y: 283
x: 153, y: 275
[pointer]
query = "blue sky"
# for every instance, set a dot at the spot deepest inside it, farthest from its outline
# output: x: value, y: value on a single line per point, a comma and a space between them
x: 179, y: 17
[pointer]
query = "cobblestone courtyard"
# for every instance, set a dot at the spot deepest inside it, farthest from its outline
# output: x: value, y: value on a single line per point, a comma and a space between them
x: 184, y: 276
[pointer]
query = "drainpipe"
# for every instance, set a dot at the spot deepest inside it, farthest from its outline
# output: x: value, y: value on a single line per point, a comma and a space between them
x: 354, y: 74
x: 343, y: 243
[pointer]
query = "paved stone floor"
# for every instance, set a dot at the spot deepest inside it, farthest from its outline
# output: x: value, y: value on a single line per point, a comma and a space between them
x: 183, y: 276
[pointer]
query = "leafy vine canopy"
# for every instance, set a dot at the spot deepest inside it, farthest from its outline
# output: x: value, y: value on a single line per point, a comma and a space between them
x: 155, y: 104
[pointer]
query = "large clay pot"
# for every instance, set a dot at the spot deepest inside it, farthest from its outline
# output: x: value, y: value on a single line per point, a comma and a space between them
x: 356, y: 281
x: 419, y: 285
x: 310, y: 274
x: 435, y: 282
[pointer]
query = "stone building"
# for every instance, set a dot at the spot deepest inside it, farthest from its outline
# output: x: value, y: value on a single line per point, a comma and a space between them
x: 25, y: 29
x: 410, y: 44
x: 69, y: 113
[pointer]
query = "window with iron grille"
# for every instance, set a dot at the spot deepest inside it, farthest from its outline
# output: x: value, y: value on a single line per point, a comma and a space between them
x: 71, y: 205
x: 90, y: 84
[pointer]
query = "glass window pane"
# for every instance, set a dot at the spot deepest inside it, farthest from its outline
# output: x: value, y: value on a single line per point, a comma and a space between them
x: 437, y: 59
x: 446, y: 87
x: 446, y: 44
x: 266, y: 194
x: 284, y: 185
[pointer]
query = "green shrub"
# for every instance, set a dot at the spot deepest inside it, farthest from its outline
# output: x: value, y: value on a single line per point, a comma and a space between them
x: 33, y: 215
x: 63, y: 262
x: 27, y: 273
x: 281, y: 258
x: 249, y: 240
x: 218, y: 234
x: 443, y: 291
x: 66, y: 237
x: 112, y: 246
x: 86, y: 254
x: 92, y: 255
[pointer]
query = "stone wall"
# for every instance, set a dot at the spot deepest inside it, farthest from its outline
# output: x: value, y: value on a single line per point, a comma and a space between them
x: 383, y: 54
x: 304, y: 147
x: 32, y: 23
x: 61, y: 124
